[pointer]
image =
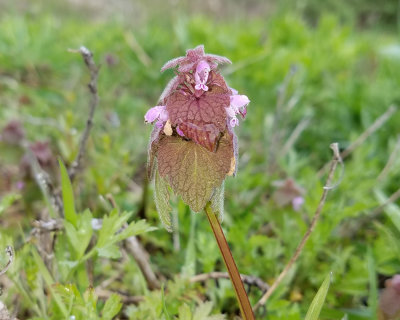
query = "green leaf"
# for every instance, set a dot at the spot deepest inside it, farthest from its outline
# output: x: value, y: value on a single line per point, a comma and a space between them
x: 202, y: 311
x: 49, y: 281
x: 112, y: 307
x: 217, y: 202
x: 184, y: 312
x: 68, y: 196
x: 108, y: 235
x: 319, y: 299
x: 164, y: 307
x: 110, y: 251
x: 161, y: 198
x: 191, y: 170
x: 111, y: 224
x: 79, y: 237
x: 7, y: 201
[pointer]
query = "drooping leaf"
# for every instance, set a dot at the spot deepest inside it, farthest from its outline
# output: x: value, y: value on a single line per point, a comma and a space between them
x: 68, y: 196
x: 161, y: 198
x: 152, y: 150
x: 192, y: 171
x: 202, y: 118
x: 217, y: 202
x: 316, y: 305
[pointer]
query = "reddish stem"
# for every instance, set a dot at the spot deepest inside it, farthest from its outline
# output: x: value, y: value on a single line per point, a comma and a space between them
x: 241, y: 295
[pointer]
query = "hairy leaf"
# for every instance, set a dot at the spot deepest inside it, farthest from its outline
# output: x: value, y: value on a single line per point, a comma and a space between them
x: 161, y: 197
x: 151, y: 152
x: 217, y: 201
x: 192, y: 171
x: 202, y: 118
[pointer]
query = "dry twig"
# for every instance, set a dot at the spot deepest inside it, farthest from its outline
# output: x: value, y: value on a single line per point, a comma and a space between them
x: 142, y: 259
x: 87, y: 56
x: 391, y: 160
x: 249, y: 280
x: 10, y: 253
x: 4, y: 314
x: 276, y: 136
x: 328, y: 186
x: 43, y: 180
x: 350, y: 227
x: 360, y: 140
x: 303, y: 124
x: 104, y: 294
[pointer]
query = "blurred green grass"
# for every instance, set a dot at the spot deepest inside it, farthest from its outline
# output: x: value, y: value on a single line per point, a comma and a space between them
x: 347, y: 76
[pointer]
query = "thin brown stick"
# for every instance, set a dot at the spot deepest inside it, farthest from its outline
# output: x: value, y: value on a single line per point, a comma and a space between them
x: 249, y: 280
x: 4, y: 314
x: 276, y: 132
x: 140, y: 255
x: 43, y: 180
x: 104, y: 294
x: 377, y: 211
x: 391, y: 160
x: 303, y: 124
x: 350, y: 227
x: 142, y: 259
x: 87, y: 56
x: 360, y: 140
x: 336, y: 158
x: 10, y: 253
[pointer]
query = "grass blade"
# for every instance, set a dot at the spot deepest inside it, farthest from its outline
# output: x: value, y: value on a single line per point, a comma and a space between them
x: 319, y: 299
x: 68, y: 196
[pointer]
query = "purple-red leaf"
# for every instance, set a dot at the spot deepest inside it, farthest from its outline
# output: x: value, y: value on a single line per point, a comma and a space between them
x: 202, y: 118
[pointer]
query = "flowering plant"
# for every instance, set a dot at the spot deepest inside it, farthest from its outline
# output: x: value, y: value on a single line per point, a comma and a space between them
x: 193, y: 146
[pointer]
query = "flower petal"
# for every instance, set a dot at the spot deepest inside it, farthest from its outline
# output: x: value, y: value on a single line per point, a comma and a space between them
x: 239, y: 101
x: 230, y: 112
x: 234, y: 122
x: 297, y: 202
x: 152, y: 114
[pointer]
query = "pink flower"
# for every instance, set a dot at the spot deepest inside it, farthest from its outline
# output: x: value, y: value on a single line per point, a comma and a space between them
x: 297, y: 203
x: 238, y: 105
x: 288, y: 193
x: 158, y: 113
x: 201, y: 75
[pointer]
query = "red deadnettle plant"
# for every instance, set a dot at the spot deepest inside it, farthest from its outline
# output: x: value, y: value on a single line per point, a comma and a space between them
x: 193, y: 147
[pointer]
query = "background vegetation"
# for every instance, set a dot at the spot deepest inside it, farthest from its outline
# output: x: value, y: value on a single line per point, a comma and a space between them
x: 345, y: 62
